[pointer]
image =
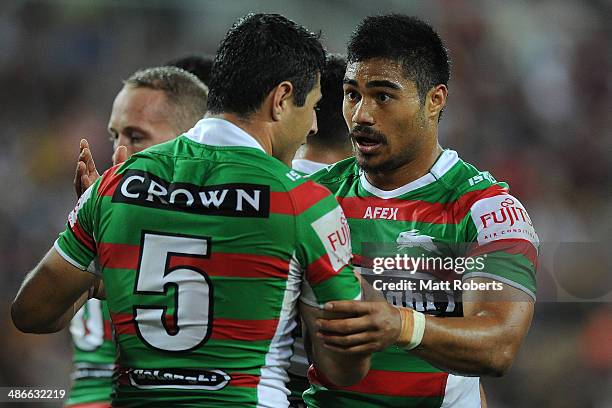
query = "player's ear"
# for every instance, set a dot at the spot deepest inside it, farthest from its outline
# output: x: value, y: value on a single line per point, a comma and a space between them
x: 435, y: 101
x: 281, y: 95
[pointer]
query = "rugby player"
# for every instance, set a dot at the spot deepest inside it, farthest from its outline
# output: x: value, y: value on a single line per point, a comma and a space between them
x: 207, y: 242
x: 330, y: 143
x: 402, y: 192
x: 153, y: 106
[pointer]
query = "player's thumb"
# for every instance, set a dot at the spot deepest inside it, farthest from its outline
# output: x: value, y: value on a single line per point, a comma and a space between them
x: 120, y: 155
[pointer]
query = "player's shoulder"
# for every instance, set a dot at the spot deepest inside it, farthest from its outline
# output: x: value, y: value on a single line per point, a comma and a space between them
x: 337, y: 172
x: 469, y: 183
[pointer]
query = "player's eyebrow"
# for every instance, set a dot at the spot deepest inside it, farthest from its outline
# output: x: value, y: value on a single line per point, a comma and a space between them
x: 377, y: 83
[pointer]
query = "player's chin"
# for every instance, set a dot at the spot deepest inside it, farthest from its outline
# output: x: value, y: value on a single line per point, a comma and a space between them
x: 369, y: 162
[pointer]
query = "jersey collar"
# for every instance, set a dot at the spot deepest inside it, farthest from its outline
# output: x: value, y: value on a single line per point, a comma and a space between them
x: 220, y: 132
x: 445, y: 162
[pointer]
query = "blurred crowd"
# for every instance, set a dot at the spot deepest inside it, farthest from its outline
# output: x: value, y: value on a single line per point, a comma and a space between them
x: 530, y: 100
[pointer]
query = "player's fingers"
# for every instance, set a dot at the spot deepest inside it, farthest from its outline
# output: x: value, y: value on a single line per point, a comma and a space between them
x: 366, y: 348
x: 78, y: 175
x: 83, y: 144
x: 86, y: 182
x: 348, y: 306
x: 345, y: 326
x: 351, y: 340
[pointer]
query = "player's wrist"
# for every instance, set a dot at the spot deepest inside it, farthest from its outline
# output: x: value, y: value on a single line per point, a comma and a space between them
x: 412, y: 328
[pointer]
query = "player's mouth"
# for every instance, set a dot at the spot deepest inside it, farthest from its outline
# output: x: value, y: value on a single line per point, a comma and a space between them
x: 368, y: 143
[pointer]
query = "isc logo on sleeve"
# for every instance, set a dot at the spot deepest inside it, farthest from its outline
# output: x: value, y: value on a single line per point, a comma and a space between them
x: 333, y: 231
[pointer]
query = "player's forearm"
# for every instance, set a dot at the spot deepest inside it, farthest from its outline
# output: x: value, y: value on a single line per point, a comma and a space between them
x: 340, y: 369
x: 475, y: 345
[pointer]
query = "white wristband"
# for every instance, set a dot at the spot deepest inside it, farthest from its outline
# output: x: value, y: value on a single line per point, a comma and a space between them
x: 417, y: 331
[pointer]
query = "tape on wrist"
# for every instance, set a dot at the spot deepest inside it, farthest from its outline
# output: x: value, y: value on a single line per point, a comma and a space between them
x: 410, y: 339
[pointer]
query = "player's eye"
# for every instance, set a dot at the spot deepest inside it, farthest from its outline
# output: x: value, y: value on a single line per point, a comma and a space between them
x: 351, y: 95
x: 136, y: 138
x: 383, y: 97
x: 113, y: 137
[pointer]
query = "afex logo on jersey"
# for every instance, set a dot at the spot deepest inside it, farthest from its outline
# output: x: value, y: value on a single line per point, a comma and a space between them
x: 232, y: 200
x: 502, y: 217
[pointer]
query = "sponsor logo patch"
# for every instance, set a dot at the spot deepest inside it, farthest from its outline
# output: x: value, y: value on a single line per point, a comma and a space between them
x: 333, y: 231
x: 151, y: 378
x: 232, y: 200
x: 502, y: 217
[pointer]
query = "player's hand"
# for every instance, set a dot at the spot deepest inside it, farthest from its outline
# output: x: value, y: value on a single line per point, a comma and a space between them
x: 120, y: 155
x: 376, y: 326
x: 86, y: 173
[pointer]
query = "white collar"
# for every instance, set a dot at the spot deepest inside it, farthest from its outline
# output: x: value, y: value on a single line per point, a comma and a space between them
x: 447, y: 159
x: 220, y: 132
x: 307, y: 166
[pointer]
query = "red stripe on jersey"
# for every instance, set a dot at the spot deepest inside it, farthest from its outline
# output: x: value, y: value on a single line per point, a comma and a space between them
x: 243, y: 380
x: 245, y: 330
x: 510, y: 246
x: 235, y: 265
x: 223, y: 329
x: 297, y: 200
x: 320, y: 270
x: 125, y: 256
x: 124, y: 323
x: 83, y: 237
x: 119, y: 256
x: 108, y: 330
x: 110, y: 181
x: 417, y: 210
x: 392, y: 383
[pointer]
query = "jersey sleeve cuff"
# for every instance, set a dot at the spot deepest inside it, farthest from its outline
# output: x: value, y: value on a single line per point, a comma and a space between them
x: 91, y: 268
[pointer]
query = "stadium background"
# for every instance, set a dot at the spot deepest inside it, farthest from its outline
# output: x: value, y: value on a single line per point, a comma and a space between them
x: 530, y: 100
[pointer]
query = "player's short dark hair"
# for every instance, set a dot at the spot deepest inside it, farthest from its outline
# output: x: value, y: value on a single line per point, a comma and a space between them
x: 259, y: 52
x: 332, y: 130
x: 184, y: 91
x: 408, y: 40
x: 198, y: 65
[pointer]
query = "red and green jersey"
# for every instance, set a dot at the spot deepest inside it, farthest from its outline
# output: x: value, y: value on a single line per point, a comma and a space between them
x: 453, y: 212
x: 205, y: 244
x: 94, y: 354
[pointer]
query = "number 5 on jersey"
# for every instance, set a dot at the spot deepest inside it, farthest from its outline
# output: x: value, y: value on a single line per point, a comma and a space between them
x: 173, y: 261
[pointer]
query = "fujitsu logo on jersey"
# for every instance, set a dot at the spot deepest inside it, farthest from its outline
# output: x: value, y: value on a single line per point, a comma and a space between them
x: 233, y: 200
x: 340, y: 237
x: 507, y: 213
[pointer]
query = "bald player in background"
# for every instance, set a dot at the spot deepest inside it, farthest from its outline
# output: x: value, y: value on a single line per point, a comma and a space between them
x: 155, y: 105
x: 331, y: 143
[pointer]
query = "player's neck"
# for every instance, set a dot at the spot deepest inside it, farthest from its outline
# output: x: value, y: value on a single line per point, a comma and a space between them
x: 321, y: 154
x: 408, y: 172
x: 262, y: 131
x: 256, y: 129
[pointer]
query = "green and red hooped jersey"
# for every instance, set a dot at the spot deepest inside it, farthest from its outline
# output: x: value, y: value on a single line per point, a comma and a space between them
x: 94, y: 354
x: 205, y: 245
x: 453, y: 211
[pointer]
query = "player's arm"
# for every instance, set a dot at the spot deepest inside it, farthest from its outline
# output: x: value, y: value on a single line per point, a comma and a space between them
x: 50, y: 295
x: 340, y: 368
x: 483, y: 342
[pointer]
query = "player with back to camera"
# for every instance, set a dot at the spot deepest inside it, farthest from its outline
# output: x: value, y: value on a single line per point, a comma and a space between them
x: 153, y: 106
x: 403, y: 193
x: 189, y: 232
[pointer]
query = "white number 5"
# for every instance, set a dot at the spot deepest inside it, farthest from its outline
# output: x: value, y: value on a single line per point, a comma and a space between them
x: 192, y: 288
